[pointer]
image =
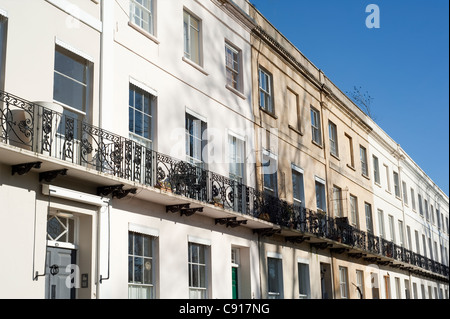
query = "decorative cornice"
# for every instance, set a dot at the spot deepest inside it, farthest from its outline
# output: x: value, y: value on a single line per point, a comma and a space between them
x: 237, y: 12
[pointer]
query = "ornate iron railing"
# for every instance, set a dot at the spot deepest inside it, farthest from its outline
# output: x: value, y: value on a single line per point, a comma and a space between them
x: 45, y: 131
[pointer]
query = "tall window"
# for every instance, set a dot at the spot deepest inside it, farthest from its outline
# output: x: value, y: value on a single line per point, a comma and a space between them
x: 413, y: 199
x: 350, y: 149
x: 360, y: 283
x: 236, y: 149
x: 376, y: 169
x: 405, y: 193
x: 425, y: 203
x: 3, y: 23
x: 293, y: 109
x: 140, y: 266
x: 369, y: 220
x: 315, y: 126
x: 298, y: 188
x: 192, y: 45
x: 275, y: 278
x: 396, y: 184
x: 398, y: 291
x: 401, y: 233
x: 142, y: 14
x: 269, y: 167
x: 354, y: 211
x: 233, y: 67
x: 424, y: 244
x: 416, y: 237
x: 381, y: 223
x: 320, y: 196
x: 194, y: 139
x: 141, y: 108
x: 419, y: 199
x: 72, y: 83
x: 363, y: 157
x: 388, y: 180
x: 303, y: 281
x: 265, y: 91
x: 332, y: 131
x: 391, y: 227
x: 337, y: 201
x: 197, y: 271
x: 343, y: 282
x: 407, y: 290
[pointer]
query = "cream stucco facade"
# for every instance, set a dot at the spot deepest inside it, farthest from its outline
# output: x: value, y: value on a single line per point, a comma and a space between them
x: 138, y: 161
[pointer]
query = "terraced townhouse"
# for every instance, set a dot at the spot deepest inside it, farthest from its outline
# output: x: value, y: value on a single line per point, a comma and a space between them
x: 186, y: 149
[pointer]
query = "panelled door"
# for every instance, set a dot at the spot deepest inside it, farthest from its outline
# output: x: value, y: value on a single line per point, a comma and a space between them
x: 57, y: 283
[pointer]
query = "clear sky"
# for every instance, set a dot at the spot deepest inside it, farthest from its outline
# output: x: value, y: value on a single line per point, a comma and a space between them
x: 403, y: 64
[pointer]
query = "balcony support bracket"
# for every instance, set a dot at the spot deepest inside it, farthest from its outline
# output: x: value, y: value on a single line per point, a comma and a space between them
x: 51, y: 175
x: 24, y: 168
x: 230, y: 222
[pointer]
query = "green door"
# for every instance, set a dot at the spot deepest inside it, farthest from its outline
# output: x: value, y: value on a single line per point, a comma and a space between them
x: 234, y: 282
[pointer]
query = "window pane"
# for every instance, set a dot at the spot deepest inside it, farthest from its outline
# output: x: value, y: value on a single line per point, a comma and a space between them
x: 148, y: 271
x: 138, y: 271
x: 69, y: 92
x: 138, y: 245
x: 70, y: 67
x: 130, y: 269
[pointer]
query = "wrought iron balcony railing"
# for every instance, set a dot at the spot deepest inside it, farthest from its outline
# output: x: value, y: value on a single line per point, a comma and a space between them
x: 48, y: 132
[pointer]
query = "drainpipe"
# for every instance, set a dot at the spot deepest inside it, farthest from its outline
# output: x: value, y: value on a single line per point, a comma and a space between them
x: 327, y: 165
x: 405, y: 234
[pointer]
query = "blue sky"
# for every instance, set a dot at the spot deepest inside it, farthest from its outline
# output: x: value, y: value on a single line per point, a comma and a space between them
x: 403, y: 65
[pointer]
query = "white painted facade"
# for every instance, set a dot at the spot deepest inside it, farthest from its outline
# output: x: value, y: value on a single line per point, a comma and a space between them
x: 118, y: 54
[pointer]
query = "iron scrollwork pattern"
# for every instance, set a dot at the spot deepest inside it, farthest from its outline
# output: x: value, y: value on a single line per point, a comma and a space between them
x: 35, y: 128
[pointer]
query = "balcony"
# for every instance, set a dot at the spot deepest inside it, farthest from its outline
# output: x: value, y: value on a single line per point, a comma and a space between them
x: 102, y: 156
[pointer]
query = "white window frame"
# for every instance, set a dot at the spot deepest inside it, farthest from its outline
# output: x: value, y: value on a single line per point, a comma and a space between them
x: 277, y: 258
x: 337, y: 201
x: 204, y: 291
x: 142, y: 9
x: 315, y: 126
x: 396, y: 178
x: 147, y: 142
x: 307, y: 284
x: 405, y: 193
x: 343, y: 282
x: 297, y: 170
x: 189, y: 32
x: 235, y: 83
x: 376, y: 169
x: 381, y: 223
x: 265, y: 83
x: 322, y: 195
x: 267, y: 161
x: 363, y: 157
x: 354, y: 211
x: 149, y: 234
x: 333, y: 136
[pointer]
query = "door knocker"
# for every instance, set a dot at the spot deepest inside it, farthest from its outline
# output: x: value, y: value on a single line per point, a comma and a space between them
x: 54, y: 269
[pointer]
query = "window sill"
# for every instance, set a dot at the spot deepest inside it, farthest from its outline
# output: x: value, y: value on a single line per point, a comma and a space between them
x: 378, y: 184
x: 351, y: 167
x: 365, y: 176
x: 195, y: 65
x: 295, y: 130
x: 335, y: 156
x: 143, y: 32
x: 268, y: 113
x: 317, y: 144
x: 237, y: 92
